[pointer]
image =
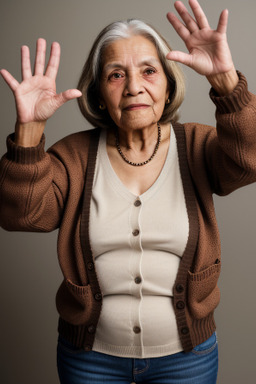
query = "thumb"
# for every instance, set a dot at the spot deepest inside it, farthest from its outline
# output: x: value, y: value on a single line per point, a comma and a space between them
x: 180, y: 57
x: 63, y: 97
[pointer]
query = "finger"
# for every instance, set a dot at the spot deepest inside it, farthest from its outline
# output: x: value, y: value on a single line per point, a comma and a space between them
x: 54, y: 61
x: 63, y: 97
x: 9, y: 79
x: 71, y: 94
x: 185, y: 16
x: 180, y: 57
x: 40, y: 57
x: 25, y: 63
x: 179, y: 27
x: 223, y: 22
x: 199, y: 14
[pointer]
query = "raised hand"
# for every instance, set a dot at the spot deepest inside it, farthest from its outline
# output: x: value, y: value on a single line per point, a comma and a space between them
x: 208, y: 49
x: 36, y: 98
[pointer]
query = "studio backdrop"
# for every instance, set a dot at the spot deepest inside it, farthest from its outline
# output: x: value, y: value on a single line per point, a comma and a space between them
x: 29, y: 269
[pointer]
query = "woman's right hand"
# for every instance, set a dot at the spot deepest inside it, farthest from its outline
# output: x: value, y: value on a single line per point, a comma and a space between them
x: 36, y: 98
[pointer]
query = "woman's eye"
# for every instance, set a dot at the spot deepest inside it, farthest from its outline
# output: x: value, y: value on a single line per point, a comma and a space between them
x: 115, y: 75
x: 150, y: 71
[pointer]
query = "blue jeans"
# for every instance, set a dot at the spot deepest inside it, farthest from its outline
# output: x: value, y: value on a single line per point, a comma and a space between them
x: 200, y: 366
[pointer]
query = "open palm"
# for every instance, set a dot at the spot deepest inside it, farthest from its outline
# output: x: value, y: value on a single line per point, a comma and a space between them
x: 208, y: 50
x: 35, y: 97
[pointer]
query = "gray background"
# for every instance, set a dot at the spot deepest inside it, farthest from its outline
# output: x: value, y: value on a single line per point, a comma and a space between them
x: 29, y: 270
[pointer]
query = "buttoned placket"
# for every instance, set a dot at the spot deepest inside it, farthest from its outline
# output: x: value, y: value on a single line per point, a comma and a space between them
x: 136, y: 272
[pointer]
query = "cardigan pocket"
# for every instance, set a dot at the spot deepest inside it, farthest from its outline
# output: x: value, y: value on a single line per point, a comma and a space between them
x: 74, y: 302
x: 203, y: 292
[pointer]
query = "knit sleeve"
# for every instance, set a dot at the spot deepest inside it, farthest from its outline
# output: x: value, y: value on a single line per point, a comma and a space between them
x: 35, y: 184
x: 226, y: 155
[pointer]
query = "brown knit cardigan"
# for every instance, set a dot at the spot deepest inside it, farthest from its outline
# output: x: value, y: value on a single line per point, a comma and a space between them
x: 42, y: 191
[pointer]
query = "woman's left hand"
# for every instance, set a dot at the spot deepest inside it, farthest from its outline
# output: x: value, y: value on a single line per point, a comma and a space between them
x: 209, y: 53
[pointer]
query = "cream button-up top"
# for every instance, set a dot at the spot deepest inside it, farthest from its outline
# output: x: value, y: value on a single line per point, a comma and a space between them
x: 137, y: 243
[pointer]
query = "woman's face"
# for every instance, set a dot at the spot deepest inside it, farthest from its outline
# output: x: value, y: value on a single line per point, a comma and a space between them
x: 134, y: 86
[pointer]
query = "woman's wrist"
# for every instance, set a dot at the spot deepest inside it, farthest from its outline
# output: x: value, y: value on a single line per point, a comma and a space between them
x: 224, y: 83
x: 29, y: 134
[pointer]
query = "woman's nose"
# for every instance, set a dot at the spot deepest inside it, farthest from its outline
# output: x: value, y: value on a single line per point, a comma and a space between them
x: 134, y: 85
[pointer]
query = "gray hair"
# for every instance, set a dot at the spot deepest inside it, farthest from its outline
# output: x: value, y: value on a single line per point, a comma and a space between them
x: 89, y: 83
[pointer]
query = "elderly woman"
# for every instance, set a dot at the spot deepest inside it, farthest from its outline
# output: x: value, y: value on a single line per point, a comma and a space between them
x: 138, y: 242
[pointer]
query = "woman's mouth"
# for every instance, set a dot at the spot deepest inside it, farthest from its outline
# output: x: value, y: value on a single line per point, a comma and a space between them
x: 133, y: 107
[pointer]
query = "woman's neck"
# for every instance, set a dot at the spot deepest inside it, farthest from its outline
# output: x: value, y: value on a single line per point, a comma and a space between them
x: 138, y: 140
x: 138, y: 145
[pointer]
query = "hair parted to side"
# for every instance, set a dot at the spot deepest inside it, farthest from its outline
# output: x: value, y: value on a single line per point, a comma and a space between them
x: 89, y: 83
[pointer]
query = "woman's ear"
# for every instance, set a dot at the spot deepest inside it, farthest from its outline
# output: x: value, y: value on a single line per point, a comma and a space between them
x: 167, y: 94
x: 102, y: 105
